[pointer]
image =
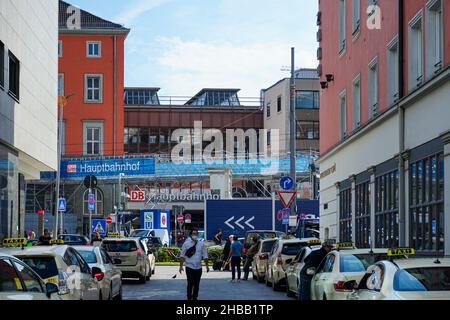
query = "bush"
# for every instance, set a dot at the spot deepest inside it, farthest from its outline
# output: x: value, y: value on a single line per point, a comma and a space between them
x: 171, y: 254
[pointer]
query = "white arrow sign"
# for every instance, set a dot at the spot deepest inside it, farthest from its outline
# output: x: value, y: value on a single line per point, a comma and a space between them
x: 238, y: 223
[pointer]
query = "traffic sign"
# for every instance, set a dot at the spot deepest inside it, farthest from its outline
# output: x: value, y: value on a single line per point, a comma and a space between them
x: 286, y: 213
x: 91, y: 201
x: 286, y: 183
x: 137, y: 196
x: 99, y: 225
x: 62, y: 205
x: 188, y: 218
x: 292, y: 221
x: 40, y: 212
x: 108, y: 220
x: 287, y: 197
x: 180, y: 219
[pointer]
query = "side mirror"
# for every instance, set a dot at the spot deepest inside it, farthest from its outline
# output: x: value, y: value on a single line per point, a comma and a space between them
x: 311, y: 271
x: 51, y: 288
x: 96, y: 272
x: 351, y: 285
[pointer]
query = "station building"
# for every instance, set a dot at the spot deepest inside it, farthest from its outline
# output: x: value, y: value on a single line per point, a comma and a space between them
x: 28, y: 103
x: 385, y: 139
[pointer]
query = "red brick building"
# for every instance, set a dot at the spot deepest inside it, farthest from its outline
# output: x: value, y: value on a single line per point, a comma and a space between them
x: 91, y: 67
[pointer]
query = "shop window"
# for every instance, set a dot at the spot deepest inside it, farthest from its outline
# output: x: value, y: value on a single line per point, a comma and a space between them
x: 362, y: 215
x: 345, y: 215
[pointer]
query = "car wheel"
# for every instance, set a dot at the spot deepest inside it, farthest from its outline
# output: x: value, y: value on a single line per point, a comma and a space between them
x: 110, y: 296
x: 275, y: 286
x: 154, y: 269
x: 267, y: 278
x: 324, y: 297
x: 100, y: 296
x: 142, y: 279
x: 119, y: 296
x: 288, y: 291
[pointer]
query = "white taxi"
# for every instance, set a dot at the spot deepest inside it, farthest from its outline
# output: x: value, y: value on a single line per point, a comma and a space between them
x: 424, y: 278
x: 340, y: 266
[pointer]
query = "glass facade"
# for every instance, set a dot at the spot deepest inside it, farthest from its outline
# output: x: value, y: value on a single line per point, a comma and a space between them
x: 345, y: 215
x: 216, y: 98
x: 9, y: 194
x: 426, y: 210
x: 362, y: 215
x: 308, y: 130
x: 307, y: 99
x: 386, y: 210
x: 140, y: 97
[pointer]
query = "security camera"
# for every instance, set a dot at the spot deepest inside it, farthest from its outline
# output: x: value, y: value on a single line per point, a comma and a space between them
x: 324, y: 84
x: 330, y: 77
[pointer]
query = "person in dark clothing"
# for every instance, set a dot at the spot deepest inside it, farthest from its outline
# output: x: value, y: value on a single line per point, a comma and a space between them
x: 312, y: 261
x: 218, y: 237
x: 44, y: 240
x: 250, y: 256
x: 235, y: 259
x: 226, y: 253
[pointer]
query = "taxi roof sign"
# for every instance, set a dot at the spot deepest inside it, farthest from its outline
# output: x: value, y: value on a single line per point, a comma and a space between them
x: 58, y: 241
x: 113, y: 235
x: 314, y: 242
x: 14, y: 242
x: 341, y: 245
x: 395, y: 252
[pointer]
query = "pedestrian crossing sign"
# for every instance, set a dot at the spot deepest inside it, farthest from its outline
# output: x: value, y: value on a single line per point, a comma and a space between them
x: 62, y: 205
x: 99, y: 225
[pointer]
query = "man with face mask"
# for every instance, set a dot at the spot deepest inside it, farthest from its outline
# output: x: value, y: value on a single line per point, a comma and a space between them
x: 193, y: 252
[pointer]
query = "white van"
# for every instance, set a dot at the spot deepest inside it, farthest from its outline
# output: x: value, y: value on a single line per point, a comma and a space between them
x: 163, y: 234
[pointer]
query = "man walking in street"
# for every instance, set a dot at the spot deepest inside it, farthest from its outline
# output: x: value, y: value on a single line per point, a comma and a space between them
x: 235, y: 259
x: 312, y: 261
x: 250, y: 256
x: 193, y: 252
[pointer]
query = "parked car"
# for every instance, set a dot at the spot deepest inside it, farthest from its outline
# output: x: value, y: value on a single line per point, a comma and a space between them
x: 74, y: 239
x: 282, y: 250
x: 110, y: 278
x: 259, y: 264
x: 163, y: 234
x: 62, y: 265
x: 131, y: 256
x: 19, y: 282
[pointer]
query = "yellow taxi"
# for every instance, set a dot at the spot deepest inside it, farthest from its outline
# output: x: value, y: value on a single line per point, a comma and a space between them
x: 414, y: 278
x: 63, y: 266
x: 340, y: 266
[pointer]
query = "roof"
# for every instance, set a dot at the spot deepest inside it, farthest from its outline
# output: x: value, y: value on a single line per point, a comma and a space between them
x: 423, y: 262
x: 88, y: 21
x: 204, y: 90
x: 360, y: 251
x: 37, y: 250
x: 304, y: 240
x: 306, y: 74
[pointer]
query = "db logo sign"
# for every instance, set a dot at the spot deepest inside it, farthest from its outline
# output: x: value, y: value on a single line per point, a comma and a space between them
x: 137, y: 196
x: 71, y: 168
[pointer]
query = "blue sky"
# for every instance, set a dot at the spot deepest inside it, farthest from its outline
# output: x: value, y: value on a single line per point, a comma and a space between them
x: 182, y: 46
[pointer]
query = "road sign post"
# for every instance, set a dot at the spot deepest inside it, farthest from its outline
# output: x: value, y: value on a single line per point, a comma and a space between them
x: 287, y: 197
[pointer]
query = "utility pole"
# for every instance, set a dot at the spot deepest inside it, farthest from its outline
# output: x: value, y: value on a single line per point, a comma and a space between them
x: 292, y: 134
x: 62, y: 100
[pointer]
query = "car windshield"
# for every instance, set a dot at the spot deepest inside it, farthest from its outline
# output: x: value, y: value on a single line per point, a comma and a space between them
x: 360, y: 262
x: 291, y: 249
x: 88, y: 256
x: 139, y: 233
x: 45, y: 267
x: 119, y: 246
x: 267, y: 246
x: 422, y: 279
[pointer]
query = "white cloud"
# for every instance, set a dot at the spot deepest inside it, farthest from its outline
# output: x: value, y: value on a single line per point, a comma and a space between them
x: 185, y: 67
x: 134, y: 10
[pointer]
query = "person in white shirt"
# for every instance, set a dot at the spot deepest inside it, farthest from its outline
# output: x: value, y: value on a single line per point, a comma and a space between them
x: 193, y: 252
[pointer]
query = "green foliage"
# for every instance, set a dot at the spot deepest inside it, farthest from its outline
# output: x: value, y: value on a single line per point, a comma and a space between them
x: 171, y: 254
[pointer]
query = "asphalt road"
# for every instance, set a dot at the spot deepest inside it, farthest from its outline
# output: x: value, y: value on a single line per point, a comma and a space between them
x: 214, y: 286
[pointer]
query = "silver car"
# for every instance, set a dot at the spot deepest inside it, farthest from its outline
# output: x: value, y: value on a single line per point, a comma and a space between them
x: 110, y: 279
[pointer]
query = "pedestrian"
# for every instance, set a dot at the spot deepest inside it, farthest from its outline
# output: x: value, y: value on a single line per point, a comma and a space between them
x: 44, y: 240
x: 235, y: 259
x: 226, y: 253
x: 193, y: 252
x: 314, y: 259
x: 218, y: 237
x: 96, y: 241
x: 250, y: 256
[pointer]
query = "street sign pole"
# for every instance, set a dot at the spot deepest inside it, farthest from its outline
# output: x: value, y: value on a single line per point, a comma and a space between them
x: 90, y: 216
x: 58, y: 166
x: 293, y: 129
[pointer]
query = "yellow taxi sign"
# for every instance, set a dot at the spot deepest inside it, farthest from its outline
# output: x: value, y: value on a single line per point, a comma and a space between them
x: 394, y: 252
x: 341, y: 245
x: 314, y: 242
x: 58, y: 241
x: 113, y: 235
x: 14, y: 242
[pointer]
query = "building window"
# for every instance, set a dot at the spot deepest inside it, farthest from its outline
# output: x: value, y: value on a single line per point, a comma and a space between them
x: 94, y: 49
x: 98, y: 209
x: 434, y: 36
x: 356, y: 17
x: 60, y: 48
x: 93, y: 88
x: 415, y: 52
x: 279, y: 104
x: 357, y: 102
x: 386, y: 210
x: 343, y: 115
x: 93, y: 138
x: 269, y: 137
x: 392, y: 72
x: 427, y: 204
x: 14, y: 76
x: 362, y: 215
x: 268, y: 110
x: 307, y: 99
x: 345, y: 215
x: 133, y: 97
x: 373, y: 88
x: 61, y: 84
x: 342, y: 17
x: 308, y: 130
x: 2, y: 65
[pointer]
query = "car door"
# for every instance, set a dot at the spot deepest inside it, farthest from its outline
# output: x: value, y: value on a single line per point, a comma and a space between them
x: 290, y: 270
x: 11, y: 287
x: 31, y: 282
x: 272, y: 258
x: 323, y: 279
x: 111, y: 272
x: 91, y: 285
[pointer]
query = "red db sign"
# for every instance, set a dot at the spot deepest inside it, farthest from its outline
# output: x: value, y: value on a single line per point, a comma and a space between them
x: 137, y: 196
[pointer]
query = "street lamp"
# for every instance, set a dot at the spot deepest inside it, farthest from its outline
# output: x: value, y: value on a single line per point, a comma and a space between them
x: 121, y: 175
x: 62, y: 101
